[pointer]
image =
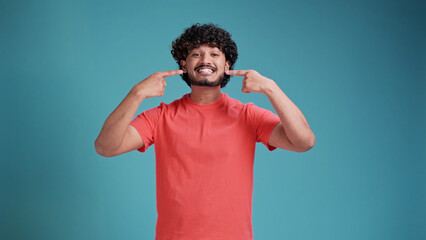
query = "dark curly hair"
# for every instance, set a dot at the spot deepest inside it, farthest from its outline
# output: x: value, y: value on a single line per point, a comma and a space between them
x: 206, y: 34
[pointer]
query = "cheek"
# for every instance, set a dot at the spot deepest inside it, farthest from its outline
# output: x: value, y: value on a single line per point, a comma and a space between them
x: 190, y: 66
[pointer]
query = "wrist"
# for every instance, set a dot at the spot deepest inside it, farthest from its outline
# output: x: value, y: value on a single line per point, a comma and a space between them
x: 269, y: 87
x: 138, y: 92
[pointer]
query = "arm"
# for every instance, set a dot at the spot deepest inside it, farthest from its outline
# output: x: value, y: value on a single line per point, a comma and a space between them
x: 117, y: 136
x: 293, y: 133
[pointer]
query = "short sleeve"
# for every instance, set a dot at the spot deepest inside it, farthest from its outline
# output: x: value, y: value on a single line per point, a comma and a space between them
x: 264, y: 122
x: 146, y: 123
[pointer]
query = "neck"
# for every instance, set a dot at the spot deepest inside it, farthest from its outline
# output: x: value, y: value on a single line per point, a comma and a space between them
x: 205, y: 95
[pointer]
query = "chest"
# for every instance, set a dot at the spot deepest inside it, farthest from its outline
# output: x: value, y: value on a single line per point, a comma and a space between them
x: 205, y: 129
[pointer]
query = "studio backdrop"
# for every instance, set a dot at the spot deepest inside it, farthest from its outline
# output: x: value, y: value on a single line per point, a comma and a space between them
x: 356, y: 69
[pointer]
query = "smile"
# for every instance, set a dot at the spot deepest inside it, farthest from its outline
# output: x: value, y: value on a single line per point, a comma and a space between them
x: 207, y: 70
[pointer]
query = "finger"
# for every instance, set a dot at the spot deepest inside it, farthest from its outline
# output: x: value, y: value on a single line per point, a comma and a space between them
x: 237, y: 72
x: 171, y: 73
x: 245, y: 91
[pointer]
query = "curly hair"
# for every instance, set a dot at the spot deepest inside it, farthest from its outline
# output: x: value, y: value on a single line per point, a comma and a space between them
x: 206, y: 34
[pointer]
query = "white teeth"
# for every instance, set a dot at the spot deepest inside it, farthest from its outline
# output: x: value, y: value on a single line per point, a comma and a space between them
x: 205, y: 70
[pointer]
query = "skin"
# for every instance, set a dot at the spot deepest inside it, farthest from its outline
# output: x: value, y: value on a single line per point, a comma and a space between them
x: 205, y: 55
x: 292, y: 133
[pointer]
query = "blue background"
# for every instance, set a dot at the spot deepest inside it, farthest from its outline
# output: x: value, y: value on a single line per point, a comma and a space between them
x: 356, y: 69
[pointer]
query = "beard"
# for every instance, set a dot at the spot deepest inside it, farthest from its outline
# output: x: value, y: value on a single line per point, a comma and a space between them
x: 205, y: 82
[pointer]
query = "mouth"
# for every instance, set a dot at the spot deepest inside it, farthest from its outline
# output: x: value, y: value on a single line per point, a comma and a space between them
x: 205, y: 70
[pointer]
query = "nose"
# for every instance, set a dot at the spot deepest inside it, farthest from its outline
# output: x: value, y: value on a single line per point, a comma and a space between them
x: 206, y: 59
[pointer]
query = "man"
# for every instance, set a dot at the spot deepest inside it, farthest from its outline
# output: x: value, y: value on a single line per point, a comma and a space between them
x: 204, y: 141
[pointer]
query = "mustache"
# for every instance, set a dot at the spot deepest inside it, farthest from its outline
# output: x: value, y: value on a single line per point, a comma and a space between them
x: 207, y: 66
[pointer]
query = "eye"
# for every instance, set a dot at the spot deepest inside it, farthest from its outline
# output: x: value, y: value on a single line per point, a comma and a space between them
x: 215, y: 55
x: 195, y: 54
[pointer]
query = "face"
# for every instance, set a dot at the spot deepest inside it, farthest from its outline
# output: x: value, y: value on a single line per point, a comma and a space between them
x: 205, y: 66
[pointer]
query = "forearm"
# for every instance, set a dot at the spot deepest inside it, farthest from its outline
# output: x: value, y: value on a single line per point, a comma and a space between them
x: 115, y: 126
x: 295, y: 125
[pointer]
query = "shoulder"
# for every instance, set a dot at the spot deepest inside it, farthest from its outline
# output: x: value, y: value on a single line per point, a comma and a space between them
x: 174, y: 104
x: 247, y: 107
x: 165, y: 109
x: 160, y: 110
x: 234, y: 103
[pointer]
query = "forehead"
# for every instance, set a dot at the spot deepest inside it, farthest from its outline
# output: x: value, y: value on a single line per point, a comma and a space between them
x: 206, y: 47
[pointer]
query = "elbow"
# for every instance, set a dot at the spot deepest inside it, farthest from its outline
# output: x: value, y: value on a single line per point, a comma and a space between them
x: 307, y: 145
x: 310, y: 143
x: 102, y: 151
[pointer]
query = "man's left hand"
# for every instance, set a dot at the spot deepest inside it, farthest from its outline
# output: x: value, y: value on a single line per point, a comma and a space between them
x: 253, y: 81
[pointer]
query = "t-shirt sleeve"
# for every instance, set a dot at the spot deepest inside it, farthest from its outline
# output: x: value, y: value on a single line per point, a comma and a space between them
x: 264, y: 122
x: 146, y: 123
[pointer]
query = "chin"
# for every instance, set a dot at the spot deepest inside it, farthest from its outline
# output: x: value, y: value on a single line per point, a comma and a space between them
x: 205, y: 81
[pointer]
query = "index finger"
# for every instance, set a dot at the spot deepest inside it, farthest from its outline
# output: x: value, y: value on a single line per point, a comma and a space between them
x: 171, y: 73
x: 237, y: 72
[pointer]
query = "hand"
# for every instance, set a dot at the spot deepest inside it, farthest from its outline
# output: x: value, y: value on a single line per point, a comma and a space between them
x: 253, y: 81
x: 153, y: 86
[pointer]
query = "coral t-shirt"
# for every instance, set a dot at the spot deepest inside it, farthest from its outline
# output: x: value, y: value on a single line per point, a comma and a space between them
x: 204, y: 165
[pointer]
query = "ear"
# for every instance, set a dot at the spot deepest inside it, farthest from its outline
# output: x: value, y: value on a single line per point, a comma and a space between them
x: 227, y: 65
x: 183, y: 65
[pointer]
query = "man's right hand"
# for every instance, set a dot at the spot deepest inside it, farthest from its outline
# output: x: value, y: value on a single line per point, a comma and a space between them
x: 153, y: 86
